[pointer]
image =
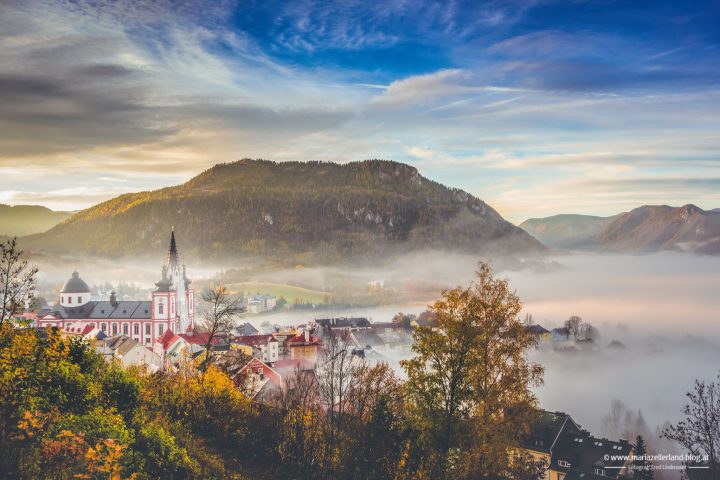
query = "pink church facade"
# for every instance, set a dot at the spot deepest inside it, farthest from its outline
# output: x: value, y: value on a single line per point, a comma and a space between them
x: 172, y: 307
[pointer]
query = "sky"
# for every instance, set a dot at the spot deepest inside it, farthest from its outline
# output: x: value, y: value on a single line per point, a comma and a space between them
x: 538, y: 107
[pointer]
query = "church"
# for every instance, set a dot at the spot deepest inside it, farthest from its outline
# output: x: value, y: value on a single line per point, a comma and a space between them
x: 172, y: 307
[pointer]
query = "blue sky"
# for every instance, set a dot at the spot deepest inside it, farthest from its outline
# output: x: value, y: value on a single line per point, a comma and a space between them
x: 538, y: 107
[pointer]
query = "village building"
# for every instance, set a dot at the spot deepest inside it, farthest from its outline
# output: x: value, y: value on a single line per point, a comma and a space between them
x: 129, y: 352
x: 264, y: 347
x: 259, y: 303
x: 303, y: 345
x: 172, y: 307
x: 541, y: 334
x: 571, y: 452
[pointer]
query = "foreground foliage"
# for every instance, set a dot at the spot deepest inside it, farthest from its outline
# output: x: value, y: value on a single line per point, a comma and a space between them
x: 67, y: 413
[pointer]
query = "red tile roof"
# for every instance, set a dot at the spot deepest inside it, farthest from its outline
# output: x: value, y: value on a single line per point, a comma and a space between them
x: 199, y: 338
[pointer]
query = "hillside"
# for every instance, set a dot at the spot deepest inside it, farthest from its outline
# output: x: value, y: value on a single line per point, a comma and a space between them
x: 659, y: 228
x: 294, y: 211
x: 565, y: 230
x: 28, y: 219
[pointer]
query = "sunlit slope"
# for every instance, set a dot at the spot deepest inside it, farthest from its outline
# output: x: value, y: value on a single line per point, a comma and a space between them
x: 292, y: 211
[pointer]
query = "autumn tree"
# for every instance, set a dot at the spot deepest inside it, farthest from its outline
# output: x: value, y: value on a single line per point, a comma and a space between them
x: 221, y: 316
x: 17, y: 280
x: 469, y: 381
x: 699, y: 431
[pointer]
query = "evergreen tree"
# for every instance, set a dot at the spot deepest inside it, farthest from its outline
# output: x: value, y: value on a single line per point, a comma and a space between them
x: 641, y: 466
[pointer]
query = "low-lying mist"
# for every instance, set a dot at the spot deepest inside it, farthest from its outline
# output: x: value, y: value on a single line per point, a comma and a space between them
x: 664, y: 309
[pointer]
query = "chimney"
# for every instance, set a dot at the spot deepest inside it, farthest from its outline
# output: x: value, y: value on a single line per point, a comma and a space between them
x: 113, y: 299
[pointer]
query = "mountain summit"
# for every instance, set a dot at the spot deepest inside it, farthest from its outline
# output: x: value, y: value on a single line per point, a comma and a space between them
x: 660, y: 227
x: 300, y: 211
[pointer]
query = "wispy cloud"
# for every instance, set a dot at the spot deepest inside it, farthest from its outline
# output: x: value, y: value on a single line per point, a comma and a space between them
x: 517, y: 102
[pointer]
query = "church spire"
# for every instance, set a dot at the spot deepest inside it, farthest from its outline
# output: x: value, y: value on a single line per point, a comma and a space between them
x: 173, y: 259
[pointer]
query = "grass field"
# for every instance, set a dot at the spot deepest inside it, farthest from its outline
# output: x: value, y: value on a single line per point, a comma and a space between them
x: 288, y: 292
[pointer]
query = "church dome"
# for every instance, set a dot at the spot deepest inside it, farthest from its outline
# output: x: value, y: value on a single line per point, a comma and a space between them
x: 75, y: 285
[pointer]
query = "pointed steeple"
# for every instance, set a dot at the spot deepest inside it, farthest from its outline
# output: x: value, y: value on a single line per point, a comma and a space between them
x: 173, y: 259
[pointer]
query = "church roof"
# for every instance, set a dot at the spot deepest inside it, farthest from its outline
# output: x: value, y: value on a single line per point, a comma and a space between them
x: 102, y: 311
x: 75, y: 285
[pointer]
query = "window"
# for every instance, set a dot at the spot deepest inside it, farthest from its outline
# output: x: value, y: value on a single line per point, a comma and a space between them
x: 563, y: 463
x: 114, y: 328
x: 136, y: 329
x: 126, y: 329
x: 79, y: 299
x: 160, y: 309
x: 104, y: 327
x: 62, y: 299
x: 69, y: 299
x: 161, y: 328
x: 147, y: 329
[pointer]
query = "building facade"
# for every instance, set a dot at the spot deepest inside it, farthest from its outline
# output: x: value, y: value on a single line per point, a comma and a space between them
x: 172, y: 307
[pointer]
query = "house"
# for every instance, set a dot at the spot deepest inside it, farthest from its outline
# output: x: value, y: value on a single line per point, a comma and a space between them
x: 88, y: 332
x: 344, y: 323
x: 540, y: 333
x: 561, y: 338
x: 172, y: 306
x: 366, y: 339
x: 586, y: 345
x: 303, y: 345
x: 251, y: 374
x: 571, y: 452
x: 259, y: 303
x: 129, y: 352
x: 171, y: 346
x: 244, y: 330
x: 265, y: 347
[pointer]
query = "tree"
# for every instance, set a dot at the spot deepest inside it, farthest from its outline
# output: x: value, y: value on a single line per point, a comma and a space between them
x: 334, y: 372
x: 470, y: 380
x: 613, y: 421
x: 699, y: 432
x: 574, y: 325
x: 17, y: 280
x: 641, y: 466
x: 587, y: 331
x: 402, y: 320
x: 221, y: 316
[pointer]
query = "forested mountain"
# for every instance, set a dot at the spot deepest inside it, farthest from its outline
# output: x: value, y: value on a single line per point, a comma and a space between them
x: 28, y: 219
x: 565, y: 230
x: 305, y: 212
x: 657, y: 228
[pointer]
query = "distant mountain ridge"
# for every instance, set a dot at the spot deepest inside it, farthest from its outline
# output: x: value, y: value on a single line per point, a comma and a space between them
x: 660, y: 228
x: 650, y: 228
x: 299, y: 211
x: 565, y: 230
x: 28, y: 219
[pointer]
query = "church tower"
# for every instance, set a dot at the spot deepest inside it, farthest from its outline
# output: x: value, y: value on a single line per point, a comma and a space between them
x: 174, y: 298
